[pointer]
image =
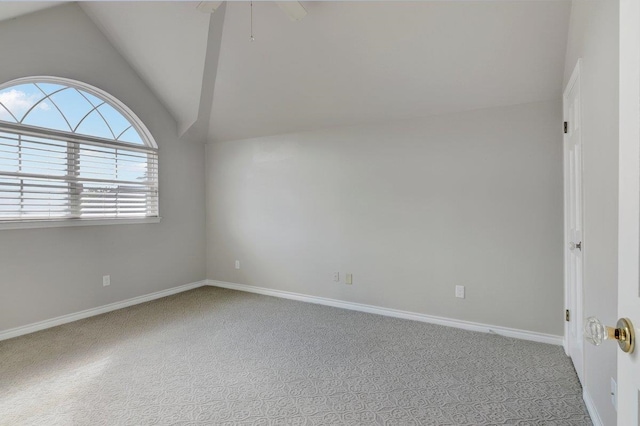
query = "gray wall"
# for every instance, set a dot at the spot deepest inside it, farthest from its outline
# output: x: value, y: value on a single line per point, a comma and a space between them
x: 45, y: 273
x: 593, y: 36
x: 411, y: 208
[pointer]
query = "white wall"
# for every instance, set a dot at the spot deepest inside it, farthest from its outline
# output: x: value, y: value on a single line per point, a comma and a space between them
x: 45, y: 273
x: 411, y: 208
x: 593, y: 36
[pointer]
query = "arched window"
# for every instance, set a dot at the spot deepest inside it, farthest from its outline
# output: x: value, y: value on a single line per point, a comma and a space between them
x: 71, y: 151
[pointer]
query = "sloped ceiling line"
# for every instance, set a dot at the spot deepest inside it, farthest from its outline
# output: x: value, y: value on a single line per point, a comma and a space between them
x: 165, y: 43
x: 199, y: 130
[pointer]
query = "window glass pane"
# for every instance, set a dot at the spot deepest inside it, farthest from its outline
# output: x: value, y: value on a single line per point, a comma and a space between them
x: 5, y: 115
x: 116, y: 121
x: 49, y: 88
x: 94, y: 125
x: 19, y: 99
x: 72, y: 105
x: 131, y: 136
x: 47, y: 116
x: 95, y: 101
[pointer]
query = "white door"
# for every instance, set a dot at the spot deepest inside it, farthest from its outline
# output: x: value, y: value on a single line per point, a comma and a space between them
x: 629, y: 209
x: 573, y: 221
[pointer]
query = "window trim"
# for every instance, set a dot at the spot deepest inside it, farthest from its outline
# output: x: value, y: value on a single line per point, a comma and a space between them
x: 149, y: 144
x: 61, y: 223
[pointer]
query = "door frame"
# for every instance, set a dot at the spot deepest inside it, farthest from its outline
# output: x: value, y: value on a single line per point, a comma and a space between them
x: 574, y: 80
x: 628, y: 365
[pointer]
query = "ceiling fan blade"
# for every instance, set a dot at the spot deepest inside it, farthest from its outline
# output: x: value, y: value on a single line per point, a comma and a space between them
x: 208, y: 6
x: 294, y: 10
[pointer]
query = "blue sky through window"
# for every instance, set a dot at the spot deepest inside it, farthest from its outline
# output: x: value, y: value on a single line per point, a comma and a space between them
x: 53, y: 106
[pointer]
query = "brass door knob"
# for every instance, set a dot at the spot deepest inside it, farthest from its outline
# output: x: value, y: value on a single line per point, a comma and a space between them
x: 596, y: 333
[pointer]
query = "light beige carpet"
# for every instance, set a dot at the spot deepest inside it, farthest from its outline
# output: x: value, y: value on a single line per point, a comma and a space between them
x: 213, y: 356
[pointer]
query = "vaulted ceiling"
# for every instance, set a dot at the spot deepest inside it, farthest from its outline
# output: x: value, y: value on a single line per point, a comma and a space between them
x: 358, y: 62
x: 344, y: 63
x: 13, y: 9
x: 165, y: 42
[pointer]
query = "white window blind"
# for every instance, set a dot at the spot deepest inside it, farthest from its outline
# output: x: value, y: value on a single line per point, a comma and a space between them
x: 54, y: 178
x: 51, y: 174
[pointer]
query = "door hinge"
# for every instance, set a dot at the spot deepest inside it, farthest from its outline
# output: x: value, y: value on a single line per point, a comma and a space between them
x: 566, y: 315
x: 566, y: 127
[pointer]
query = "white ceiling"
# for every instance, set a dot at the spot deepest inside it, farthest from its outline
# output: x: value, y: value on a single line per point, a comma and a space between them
x: 356, y: 62
x: 344, y: 63
x: 13, y: 9
x: 165, y: 42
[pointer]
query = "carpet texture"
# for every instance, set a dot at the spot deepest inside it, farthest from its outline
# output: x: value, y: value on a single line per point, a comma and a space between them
x: 220, y: 357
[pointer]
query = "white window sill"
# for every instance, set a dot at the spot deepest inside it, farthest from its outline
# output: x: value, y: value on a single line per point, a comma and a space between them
x: 28, y: 224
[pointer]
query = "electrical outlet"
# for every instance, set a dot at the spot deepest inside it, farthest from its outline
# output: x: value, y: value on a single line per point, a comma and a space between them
x: 349, y: 279
x: 460, y: 291
x: 237, y: 264
x: 336, y: 277
x: 106, y: 280
x: 614, y: 394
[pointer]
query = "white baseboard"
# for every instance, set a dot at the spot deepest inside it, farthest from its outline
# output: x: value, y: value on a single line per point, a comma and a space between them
x: 30, y: 328
x: 466, y: 325
x: 591, y: 408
